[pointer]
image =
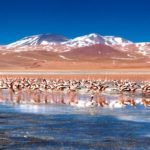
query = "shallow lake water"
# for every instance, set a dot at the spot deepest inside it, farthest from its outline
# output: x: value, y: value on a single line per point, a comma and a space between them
x: 27, y: 126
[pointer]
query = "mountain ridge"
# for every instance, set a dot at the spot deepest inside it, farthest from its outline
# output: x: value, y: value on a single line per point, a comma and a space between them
x: 59, y: 43
x: 51, y: 39
x: 50, y: 51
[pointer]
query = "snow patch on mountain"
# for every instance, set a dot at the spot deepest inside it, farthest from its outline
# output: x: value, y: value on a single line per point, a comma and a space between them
x: 85, y: 40
x: 63, y: 57
x: 112, y: 40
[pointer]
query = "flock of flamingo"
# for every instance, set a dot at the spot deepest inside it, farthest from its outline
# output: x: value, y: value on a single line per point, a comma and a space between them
x: 69, y: 92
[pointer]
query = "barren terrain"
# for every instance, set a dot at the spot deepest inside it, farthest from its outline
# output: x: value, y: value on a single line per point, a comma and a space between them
x: 95, y: 57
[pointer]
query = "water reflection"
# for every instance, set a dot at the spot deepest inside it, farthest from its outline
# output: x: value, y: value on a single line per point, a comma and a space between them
x: 73, y: 98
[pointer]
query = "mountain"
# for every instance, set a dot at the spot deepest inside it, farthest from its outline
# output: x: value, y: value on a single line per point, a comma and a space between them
x: 42, y: 39
x: 52, y: 39
x: 93, y: 39
x: 93, y: 51
x: 135, y: 48
x: 92, y: 57
x: 59, y: 43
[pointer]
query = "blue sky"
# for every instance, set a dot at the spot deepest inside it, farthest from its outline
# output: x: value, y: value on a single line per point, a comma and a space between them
x: 126, y: 18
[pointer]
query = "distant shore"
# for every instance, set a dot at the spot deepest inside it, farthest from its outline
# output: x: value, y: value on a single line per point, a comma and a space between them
x: 80, y: 74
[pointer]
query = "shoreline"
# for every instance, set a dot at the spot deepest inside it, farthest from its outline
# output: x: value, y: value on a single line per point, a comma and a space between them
x: 80, y: 74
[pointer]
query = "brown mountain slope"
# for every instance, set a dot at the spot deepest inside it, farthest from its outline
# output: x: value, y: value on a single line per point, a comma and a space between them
x: 86, y: 58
